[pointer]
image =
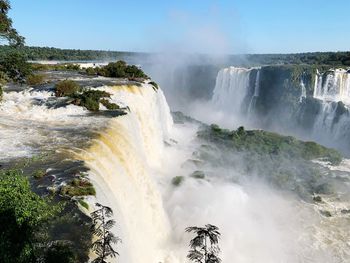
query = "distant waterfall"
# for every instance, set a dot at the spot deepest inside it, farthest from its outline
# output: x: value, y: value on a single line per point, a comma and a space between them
x: 256, y: 93
x: 333, y: 85
x: 303, y: 91
x: 233, y: 85
x: 333, y: 120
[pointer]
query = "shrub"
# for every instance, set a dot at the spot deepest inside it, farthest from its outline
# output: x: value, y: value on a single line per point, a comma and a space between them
x: 154, y: 84
x: 1, y: 93
x: 15, y: 66
x: 66, y: 88
x: 90, y: 99
x: 109, y: 105
x: 90, y: 71
x: 78, y: 187
x: 117, y: 69
x: 72, y: 66
x: 38, y: 174
x: 36, y: 79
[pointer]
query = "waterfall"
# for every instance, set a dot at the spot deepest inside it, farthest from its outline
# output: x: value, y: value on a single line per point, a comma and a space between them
x: 232, y: 88
x: 303, y: 91
x: 332, y: 88
x: 123, y: 160
x: 333, y: 85
x: 256, y: 93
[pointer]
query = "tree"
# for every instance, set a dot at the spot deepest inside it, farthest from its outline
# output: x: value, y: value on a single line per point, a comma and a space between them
x: 22, y: 214
x: 103, y: 246
x: 204, y: 246
x: 15, y: 65
x: 7, y: 32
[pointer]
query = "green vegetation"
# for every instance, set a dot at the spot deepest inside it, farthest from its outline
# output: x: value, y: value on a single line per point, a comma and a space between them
x: 78, y: 187
x: 6, y: 30
x: 66, y: 88
x: 90, y: 99
x: 282, y: 161
x: 154, y: 84
x: 14, y: 66
x: 50, y: 53
x: 198, y: 175
x: 56, y: 67
x: 83, y: 204
x: 22, y: 213
x: 105, y: 239
x: 177, y: 180
x: 109, y: 105
x: 35, y: 79
x: 267, y: 143
x: 118, y: 69
x: 38, y: 174
x: 312, y: 58
x: 205, y: 245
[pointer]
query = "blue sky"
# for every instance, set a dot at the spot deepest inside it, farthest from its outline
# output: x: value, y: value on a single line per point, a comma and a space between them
x: 227, y: 26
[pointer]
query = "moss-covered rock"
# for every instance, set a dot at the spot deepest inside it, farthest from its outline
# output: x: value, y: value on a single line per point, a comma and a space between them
x: 177, y: 180
x: 198, y: 175
x: 38, y: 174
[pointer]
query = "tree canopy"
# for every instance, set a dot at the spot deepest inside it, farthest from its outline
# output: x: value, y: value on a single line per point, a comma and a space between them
x: 7, y: 32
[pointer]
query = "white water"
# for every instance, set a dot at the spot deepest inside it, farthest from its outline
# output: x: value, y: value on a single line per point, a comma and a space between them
x: 303, y: 91
x: 333, y: 86
x: 123, y: 161
x: 256, y: 93
x: 230, y: 89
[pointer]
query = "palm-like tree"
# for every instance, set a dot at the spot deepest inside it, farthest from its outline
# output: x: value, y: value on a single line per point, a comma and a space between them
x: 204, y: 246
x: 103, y: 246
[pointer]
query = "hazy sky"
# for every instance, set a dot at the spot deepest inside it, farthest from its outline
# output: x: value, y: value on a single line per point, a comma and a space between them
x: 227, y: 26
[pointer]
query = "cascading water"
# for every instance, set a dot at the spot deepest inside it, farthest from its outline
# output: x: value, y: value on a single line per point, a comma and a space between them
x: 236, y: 91
x: 122, y: 160
x: 256, y: 93
x: 333, y: 89
x: 303, y: 91
x: 333, y: 85
x: 231, y: 87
